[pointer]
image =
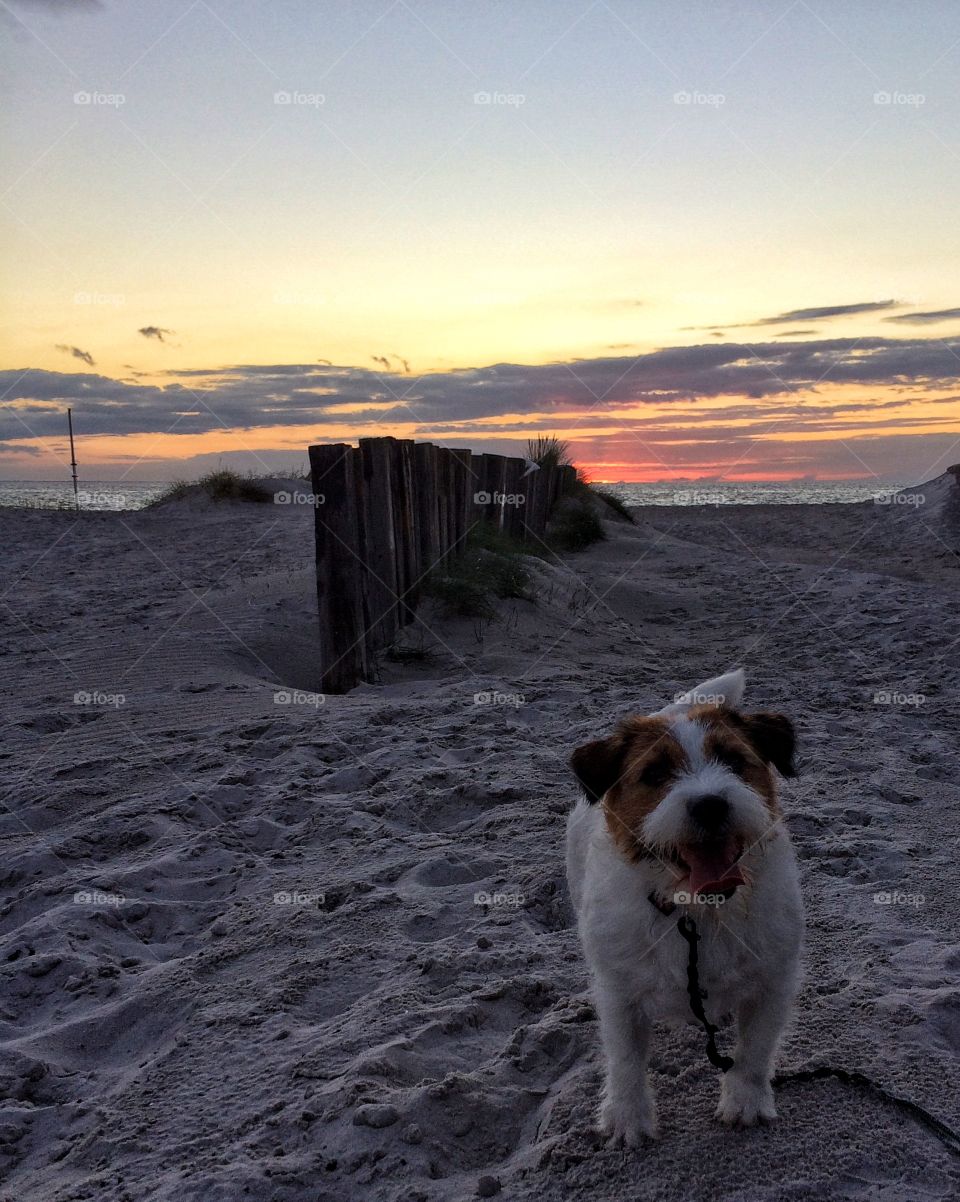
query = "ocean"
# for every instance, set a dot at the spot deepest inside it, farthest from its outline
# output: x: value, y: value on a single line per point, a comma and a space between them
x: 135, y: 494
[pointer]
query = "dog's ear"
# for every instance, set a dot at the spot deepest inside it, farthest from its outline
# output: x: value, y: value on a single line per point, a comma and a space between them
x: 597, y: 765
x: 774, y: 739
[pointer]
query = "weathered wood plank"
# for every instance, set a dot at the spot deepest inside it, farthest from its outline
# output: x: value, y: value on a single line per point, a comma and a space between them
x: 344, y: 657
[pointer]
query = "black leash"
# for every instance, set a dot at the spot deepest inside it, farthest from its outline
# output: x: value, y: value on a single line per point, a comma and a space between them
x: 688, y: 929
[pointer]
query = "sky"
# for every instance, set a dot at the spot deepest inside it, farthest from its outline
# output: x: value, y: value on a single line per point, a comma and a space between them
x: 697, y: 240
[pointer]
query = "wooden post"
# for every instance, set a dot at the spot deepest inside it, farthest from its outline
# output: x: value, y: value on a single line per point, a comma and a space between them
x: 343, y: 647
x: 405, y: 529
x: 426, y: 514
x: 462, y: 491
x: 380, y: 555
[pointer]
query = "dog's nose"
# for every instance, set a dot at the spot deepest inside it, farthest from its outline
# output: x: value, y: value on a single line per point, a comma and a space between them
x: 709, y: 812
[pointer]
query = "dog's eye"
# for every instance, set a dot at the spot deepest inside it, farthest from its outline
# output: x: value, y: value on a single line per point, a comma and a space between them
x: 655, y: 773
x: 732, y: 759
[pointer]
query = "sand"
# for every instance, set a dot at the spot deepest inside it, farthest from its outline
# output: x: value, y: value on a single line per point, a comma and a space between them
x: 261, y: 944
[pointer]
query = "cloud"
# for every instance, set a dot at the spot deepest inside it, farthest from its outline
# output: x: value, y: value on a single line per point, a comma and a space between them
x: 384, y: 362
x: 820, y: 313
x: 920, y: 319
x: 76, y: 352
x: 766, y: 379
x: 154, y: 332
x: 824, y: 311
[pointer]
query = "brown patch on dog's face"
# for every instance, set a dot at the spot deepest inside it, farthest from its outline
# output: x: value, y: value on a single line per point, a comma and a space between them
x: 748, y: 744
x: 632, y: 771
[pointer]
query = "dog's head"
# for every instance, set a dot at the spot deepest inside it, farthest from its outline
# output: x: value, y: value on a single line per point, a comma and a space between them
x: 692, y: 786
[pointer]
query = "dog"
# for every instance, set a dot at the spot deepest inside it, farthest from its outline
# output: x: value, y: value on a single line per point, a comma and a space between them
x: 680, y: 817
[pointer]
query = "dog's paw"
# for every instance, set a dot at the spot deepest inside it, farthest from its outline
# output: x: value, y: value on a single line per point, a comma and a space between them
x: 628, y: 1121
x: 744, y: 1103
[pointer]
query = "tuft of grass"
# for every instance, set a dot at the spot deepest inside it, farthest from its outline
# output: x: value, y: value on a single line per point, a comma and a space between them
x: 490, y: 567
x: 220, y: 485
x: 611, y: 499
x: 574, y: 525
x: 548, y: 451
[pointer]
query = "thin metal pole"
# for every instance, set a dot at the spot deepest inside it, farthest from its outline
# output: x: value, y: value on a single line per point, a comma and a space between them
x: 73, y: 460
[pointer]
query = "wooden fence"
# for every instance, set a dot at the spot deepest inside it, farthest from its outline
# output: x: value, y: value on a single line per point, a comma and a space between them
x: 387, y: 513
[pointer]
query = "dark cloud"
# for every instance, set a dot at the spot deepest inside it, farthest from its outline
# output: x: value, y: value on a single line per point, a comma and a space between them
x: 825, y: 311
x: 799, y: 333
x: 76, y: 352
x: 821, y: 313
x: 385, y: 362
x: 157, y: 332
x: 922, y: 319
x: 769, y: 379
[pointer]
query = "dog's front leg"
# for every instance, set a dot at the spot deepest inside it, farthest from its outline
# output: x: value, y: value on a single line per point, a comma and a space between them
x: 628, y: 1111
x: 746, y: 1095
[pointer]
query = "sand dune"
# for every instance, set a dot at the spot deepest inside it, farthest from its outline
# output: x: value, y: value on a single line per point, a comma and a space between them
x: 262, y: 944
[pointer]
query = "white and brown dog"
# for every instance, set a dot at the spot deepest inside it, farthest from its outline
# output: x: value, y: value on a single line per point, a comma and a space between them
x: 681, y: 814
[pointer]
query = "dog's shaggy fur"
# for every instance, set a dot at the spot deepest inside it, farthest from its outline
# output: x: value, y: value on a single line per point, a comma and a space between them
x: 681, y: 811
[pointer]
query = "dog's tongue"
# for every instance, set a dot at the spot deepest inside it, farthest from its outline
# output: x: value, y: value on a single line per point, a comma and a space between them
x: 713, y: 867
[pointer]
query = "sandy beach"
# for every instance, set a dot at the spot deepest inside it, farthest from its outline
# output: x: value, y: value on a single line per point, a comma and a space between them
x: 262, y: 944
